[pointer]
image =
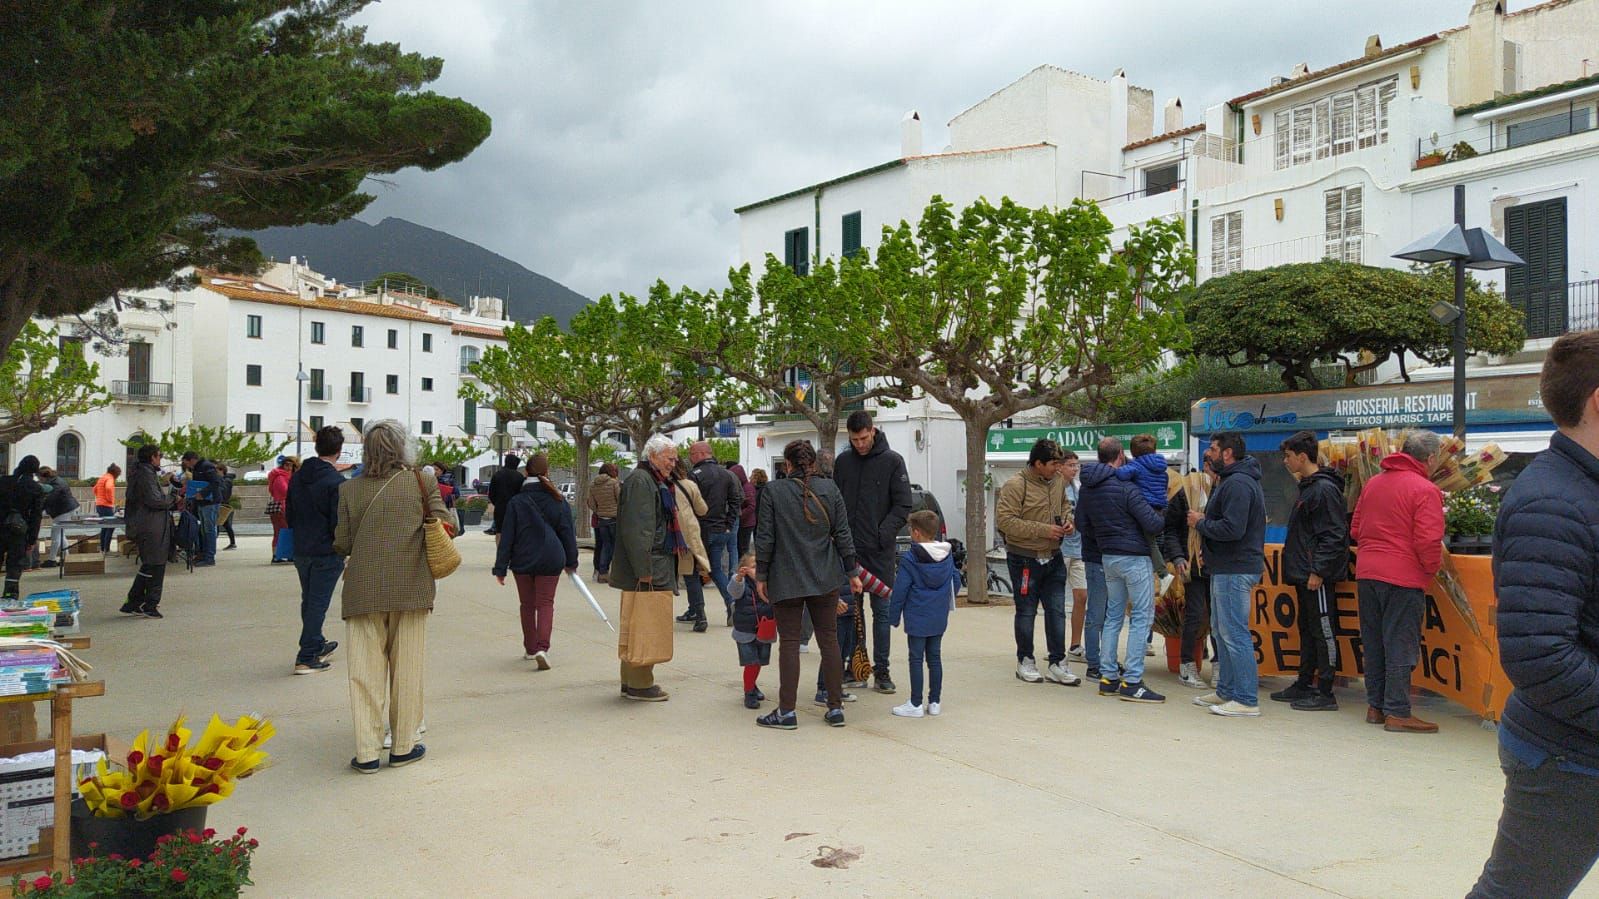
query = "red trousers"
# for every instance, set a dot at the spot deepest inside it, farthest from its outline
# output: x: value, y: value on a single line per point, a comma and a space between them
x: 537, y: 593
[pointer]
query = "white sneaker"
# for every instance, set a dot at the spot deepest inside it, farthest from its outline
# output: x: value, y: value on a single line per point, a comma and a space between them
x: 542, y: 660
x: 1062, y: 675
x: 529, y: 656
x: 906, y: 710
x: 1208, y: 699
x: 805, y: 647
x: 1027, y: 670
x: 934, y: 709
x: 1234, y: 709
x: 1076, y: 653
x: 1190, y: 676
x: 388, y: 736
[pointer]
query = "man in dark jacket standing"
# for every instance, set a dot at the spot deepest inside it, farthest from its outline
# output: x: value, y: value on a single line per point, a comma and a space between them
x: 1233, y: 527
x: 503, y: 487
x: 21, y: 509
x: 149, y: 523
x: 205, y: 499
x: 877, y: 492
x: 724, y: 501
x: 1315, y: 558
x: 313, y: 511
x: 1115, y: 516
x: 1546, y: 577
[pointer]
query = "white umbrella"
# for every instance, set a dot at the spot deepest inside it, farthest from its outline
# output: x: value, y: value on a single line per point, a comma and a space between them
x: 588, y: 595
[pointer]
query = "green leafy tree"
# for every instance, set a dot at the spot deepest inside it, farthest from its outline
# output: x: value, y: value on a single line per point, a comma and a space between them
x: 1003, y: 309
x: 1168, y: 395
x: 1297, y: 316
x: 137, y: 134
x: 224, y: 445
x: 451, y: 451
x: 43, y: 381
x: 563, y: 454
x: 724, y: 450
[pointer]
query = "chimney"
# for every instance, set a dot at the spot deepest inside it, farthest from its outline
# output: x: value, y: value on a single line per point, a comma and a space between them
x: 1174, y: 115
x: 1489, y: 57
x: 1374, y: 45
x: 1300, y: 71
x: 910, y: 134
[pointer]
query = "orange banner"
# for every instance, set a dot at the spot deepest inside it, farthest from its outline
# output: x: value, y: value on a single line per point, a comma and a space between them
x: 1455, y: 661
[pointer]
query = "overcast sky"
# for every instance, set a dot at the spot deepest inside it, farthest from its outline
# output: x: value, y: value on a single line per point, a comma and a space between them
x: 625, y: 131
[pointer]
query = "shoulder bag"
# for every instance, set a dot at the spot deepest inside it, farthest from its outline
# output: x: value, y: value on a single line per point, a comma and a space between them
x: 443, y: 557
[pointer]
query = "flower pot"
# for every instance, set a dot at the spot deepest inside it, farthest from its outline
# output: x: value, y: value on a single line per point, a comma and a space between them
x: 1427, y: 162
x: 472, y: 516
x: 127, y: 837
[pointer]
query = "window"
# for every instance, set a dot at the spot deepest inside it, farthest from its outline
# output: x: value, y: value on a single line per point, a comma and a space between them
x: 1163, y: 178
x: 70, y: 345
x: 318, y: 391
x: 1537, y: 233
x: 357, y: 335
x: 319, y: 332
x: 139, y: 362
x: 427, y: 384
x: 427, y: 343
x: 392, y: 385
x: 797, y: 250
x: 252, y: 326
x: 316, y: 422
x: 358, y: 387
x: 359, y: 424
x: 69, y: 456
x: 1572, y: 121
x: 1334, y: 125
x: 427, y: 426
x: 469, y: 417
x: 469, y: 355
x: 252, y: 376
x: 252, y: 423
x: 1226, y: 243
x: 850, y: 229
x: 1344, y: 224
x: 394, y: 339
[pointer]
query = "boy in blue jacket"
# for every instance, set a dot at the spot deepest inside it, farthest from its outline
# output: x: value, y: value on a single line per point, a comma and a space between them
x: 924, y: 592
x: 1148, y: 474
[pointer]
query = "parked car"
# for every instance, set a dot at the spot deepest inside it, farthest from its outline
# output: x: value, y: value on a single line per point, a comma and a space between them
x: 569, y: 490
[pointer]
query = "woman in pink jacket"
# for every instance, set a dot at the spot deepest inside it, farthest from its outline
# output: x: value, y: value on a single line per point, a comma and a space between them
x: 278, y: 490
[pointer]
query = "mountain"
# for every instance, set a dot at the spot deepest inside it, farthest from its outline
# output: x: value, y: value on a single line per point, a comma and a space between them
x: 354, y: 251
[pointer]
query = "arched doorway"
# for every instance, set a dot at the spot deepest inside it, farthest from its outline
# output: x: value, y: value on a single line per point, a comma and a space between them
x: 135, y: 440
x: 69, y: 456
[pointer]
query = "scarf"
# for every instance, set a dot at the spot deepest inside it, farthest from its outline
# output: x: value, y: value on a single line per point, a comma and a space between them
x: 674, y: 531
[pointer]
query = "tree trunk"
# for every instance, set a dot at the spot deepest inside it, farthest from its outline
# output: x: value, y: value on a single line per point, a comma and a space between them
x: 827, y: 434
x: 639, y: 435
x: 582, y: 442
x: 976, y: 513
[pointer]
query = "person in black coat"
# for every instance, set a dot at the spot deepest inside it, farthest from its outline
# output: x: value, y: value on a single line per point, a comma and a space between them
x: 877, y: 493
x: 1546, y: 579
x: 503, y: 487
x: 537, y: 541
x: 312, y: 511
x: 21, y: 509
x: 1315, y: 558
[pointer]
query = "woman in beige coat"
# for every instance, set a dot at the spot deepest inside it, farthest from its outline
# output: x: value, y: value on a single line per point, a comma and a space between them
x: 695, y: 566
x: 388, y: 592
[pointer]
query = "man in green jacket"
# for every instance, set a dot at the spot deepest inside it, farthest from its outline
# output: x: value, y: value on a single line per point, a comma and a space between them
x: 647, y: 543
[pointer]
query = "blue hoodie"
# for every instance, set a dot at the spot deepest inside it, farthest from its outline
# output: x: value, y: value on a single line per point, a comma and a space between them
x: 1113, y: 517
x: 924, y: 589
x: 1235, y: 521
x: 1149, y: 473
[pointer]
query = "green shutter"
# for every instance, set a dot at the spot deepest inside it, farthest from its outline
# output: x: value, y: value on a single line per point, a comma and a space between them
x: 470, y: 423
x: 851, y: 234
x: 1537, y: 233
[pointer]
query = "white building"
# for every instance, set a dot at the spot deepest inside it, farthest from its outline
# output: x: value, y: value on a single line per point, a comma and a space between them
x: 1342, y: 161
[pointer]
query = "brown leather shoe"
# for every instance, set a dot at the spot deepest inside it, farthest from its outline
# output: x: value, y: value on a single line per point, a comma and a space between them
x: 647, y: 694
x: 1374, y: 715
x: 1409, y: 726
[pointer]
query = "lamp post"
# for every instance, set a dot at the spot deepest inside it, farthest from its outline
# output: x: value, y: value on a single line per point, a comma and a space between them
x: 1462, y: 248
x: 299, y: 411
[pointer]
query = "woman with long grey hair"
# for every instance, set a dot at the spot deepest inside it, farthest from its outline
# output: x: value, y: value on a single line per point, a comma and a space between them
x: 388, y: 591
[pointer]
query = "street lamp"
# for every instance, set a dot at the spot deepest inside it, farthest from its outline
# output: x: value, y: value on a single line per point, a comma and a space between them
x: 1463, y: 248
x: 299, y: 412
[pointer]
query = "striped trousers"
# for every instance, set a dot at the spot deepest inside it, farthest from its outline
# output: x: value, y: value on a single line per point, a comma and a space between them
x: 386, y: 657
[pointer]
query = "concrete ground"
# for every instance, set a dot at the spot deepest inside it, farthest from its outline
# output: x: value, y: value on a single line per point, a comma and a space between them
x: 549, y: 784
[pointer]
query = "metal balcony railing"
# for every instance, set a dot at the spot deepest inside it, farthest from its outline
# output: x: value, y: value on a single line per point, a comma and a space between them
x: 1552, y: 315
x: 151, y: 392
x: 319, y: 393
x: 1493, y: 137
x: 361, y: 395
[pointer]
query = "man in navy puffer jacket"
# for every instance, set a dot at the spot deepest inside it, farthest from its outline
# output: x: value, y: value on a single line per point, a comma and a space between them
x: 1546, y: 577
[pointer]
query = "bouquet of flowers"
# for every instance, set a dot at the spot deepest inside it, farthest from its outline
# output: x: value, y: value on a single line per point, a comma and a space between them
x: 173, y: 775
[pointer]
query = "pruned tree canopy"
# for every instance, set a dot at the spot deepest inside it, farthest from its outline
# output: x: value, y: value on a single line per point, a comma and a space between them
x: 223, y: 445
x: 135, y: 133
x: 43, y: 380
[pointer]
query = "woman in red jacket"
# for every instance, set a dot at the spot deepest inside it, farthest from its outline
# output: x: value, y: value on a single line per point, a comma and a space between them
x: 278, y: 490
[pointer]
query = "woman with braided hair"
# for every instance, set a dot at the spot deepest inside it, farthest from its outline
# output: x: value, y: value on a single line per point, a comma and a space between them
x: 802, y: 542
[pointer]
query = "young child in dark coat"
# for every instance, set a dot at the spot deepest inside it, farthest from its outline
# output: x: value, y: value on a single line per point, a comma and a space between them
x: 924, y: 592
x: 846, y: 638
x: 754, y: 653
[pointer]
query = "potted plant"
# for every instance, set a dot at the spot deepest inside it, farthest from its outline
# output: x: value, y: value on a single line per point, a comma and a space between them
x: 1428, y: 160
x: 472, y: 508
x: 1469, y: 519
x: 190, y: 863
x: 1462, y: 150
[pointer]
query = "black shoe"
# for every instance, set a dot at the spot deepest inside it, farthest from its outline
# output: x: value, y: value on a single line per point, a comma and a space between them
x: 752, y: 699
x: 231, y: 546
x: 131, y: 608
x: 366, y: 767
x: 1292, y: 692
x: 835, y: 717
x: 315, y: 666
x: 48, y: 563
x: 686, y: 617
x: 1092, y: 674
x: 759, y: 695
x: 415, y: 755
x: 1319, y: 702
x: 1110, y: 688
x: 882, y: 683
x: 779, y: 719
x: 327, y: 649
x: 151, y: 612
x: 701, y: 627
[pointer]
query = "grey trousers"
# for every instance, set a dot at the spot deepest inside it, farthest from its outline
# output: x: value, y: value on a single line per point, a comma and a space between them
x: 1547, y: 840
x: 1390, y: 639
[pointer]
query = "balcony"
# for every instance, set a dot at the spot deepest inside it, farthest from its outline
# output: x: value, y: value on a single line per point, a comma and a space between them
x: 319, y: 393
x: 360, y: 395
x: 1551, y: 314
x: 1491, y: 136
x: 142, y: 393
x: 1312, y: 248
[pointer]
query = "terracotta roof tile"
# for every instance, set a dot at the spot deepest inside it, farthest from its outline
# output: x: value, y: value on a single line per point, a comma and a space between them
x: 248, y: 292
x: 1170, y: 135
x: 1333, y: 70
x: 477, y: 330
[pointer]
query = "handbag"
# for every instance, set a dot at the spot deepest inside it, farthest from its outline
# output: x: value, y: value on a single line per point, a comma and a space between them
x: 274, y: 507
x: 765, y: 625
x: 443, y: 557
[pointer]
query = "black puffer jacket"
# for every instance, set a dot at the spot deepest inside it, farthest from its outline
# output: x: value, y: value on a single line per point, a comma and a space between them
x: 312, y: 507
x: 21, y: 494
x: 724, y: 497
x: 1546, y: 578
x: 205, y: 472
x: 1318, y: 531
x: 504, y: 486
x: 538, y: 537
x: 877, y: 492
x: 1113, y: 516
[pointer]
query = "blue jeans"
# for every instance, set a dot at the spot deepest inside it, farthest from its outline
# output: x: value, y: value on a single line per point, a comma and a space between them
x: 604, y: 545
x: 846, y: 642
x: 1094, y: 613
x: 721, y: 549
x: 1229, y: 607
x: 1130, y: 592
x: 208, y: 533
x: 929, y: 648
x: 318, y: 576
x: 695, y: 588
x: 105, y: 533
x: 1046, y: 583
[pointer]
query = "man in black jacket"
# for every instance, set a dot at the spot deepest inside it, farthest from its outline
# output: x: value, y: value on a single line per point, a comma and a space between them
x: 1233, y: 528
x: 312, y: 508
x: 1315, y: 558
x: 204, y: 497
x: 724, y: 500
x: 877, y: 493
x: 503, y: 487
x: 1546, y: 578
x: 21, y: 509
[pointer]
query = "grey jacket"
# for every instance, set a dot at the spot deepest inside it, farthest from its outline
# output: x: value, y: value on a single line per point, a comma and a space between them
x: 149, y: 514
x: 795, y: 557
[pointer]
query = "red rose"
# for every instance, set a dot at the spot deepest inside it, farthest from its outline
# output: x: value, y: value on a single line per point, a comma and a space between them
x: 179, y: 875
x: 155, y: 764
x: 213, y: 763
x: 133, y: 862
x: 160, y: 803
x: 209, y: 832
x: 128, y: 799
x: 163, y: 839
x: 172, y: 743
x: 242, y: 831
x: 134, y: 758
x: 253, y: 843
x: 43, y: 883
x: 193, y: 837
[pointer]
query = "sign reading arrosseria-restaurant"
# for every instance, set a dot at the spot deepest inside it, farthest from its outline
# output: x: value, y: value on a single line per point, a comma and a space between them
x: 1504, y: 400
x: 1085, y: 438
